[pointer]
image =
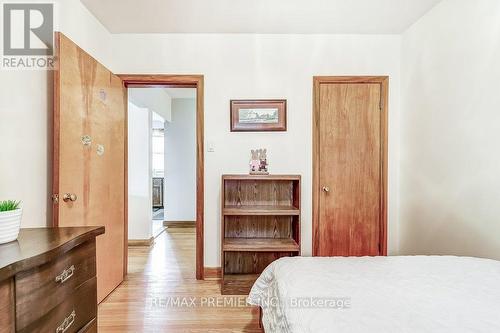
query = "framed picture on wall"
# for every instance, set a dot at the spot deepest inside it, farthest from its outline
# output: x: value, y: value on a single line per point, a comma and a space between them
x: 259, y: 115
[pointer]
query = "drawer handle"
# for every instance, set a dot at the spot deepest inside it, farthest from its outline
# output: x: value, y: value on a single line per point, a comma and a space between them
x: 68, y: 321
x: 66, y: 274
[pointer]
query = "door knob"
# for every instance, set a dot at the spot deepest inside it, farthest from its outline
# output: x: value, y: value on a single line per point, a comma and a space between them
x: 69, y: 197
x: 326, y: 189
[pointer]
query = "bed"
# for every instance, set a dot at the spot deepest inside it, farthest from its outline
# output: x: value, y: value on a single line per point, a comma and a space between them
x: 379, y: 294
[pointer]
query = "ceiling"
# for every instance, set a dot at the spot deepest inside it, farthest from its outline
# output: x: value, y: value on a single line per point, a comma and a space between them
x: 259, y: 16
x: 158, y: 100
x: 181, y: 92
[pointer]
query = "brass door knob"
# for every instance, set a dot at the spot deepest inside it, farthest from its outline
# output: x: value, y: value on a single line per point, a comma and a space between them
x: 326, y: 189
x: 69, y: 197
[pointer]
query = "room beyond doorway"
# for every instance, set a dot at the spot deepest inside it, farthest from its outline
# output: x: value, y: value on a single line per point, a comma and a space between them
x: 184, y: 81
x: 161, y: 160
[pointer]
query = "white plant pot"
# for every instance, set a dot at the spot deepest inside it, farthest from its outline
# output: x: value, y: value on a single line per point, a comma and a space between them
x: 10, y: 223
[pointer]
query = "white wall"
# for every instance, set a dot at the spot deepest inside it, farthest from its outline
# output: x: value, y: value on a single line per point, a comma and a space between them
x: 25, y: 117
x: 450, y: 167
x: 139, y: 173
x: 235, y: 66
x: 267, y: 66
x: 77, y: 23
x: 450, y: 101
x: 155, y: 99
x: 180, y: 162
x: 158, y: 146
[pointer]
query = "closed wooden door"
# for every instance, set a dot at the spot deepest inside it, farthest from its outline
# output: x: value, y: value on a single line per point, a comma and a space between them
x: 89, y: 156
x: 349, y: 167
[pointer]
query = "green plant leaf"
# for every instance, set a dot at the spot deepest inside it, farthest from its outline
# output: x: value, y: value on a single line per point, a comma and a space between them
x: 8, y: 205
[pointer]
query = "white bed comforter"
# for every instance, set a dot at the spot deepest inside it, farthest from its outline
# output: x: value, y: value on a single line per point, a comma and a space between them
x: 379, y: 294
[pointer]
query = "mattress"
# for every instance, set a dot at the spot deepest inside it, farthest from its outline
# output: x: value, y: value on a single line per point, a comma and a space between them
x: 379, y: 294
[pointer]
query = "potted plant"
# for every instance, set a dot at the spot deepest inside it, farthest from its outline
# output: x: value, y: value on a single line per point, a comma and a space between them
x: 10, y: 220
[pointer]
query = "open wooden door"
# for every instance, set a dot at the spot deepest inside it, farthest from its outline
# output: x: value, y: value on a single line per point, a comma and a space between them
x: 89, y: 168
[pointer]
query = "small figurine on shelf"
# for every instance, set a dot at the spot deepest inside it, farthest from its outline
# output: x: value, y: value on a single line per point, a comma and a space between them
x: 258, y: 162
x: 254, y: 161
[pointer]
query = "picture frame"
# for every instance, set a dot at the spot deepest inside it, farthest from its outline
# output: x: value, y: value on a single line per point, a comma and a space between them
x: 258, y: 115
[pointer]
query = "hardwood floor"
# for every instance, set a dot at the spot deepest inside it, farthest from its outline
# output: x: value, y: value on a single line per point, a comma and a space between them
x: 163, y: 275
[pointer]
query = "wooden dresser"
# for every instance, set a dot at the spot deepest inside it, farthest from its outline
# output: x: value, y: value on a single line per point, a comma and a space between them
x: 260, y: 223
x: 48, y: 281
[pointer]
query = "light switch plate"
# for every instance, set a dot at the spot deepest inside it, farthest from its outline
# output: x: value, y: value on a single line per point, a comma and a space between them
x: 210, y: 147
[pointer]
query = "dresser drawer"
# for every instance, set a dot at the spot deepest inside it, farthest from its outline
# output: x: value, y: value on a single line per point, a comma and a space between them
x: 90, y: 327
x: 72, y: 315
x: 40, y: 290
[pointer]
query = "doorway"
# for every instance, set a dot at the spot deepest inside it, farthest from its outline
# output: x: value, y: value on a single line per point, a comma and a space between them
x: 193, y: 82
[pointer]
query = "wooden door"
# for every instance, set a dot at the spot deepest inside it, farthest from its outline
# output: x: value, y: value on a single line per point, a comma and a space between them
x: 89, y: 156
x: 349, y: 167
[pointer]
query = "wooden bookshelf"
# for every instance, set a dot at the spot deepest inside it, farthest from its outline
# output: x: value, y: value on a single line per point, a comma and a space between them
x: 260, y: 222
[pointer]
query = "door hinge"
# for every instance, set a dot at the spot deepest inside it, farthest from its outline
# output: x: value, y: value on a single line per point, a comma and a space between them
x: 55, y: 198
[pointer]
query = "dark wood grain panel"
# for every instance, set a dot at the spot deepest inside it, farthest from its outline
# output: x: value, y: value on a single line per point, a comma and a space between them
x: 238, y: 284
x: 38, y: 292
x: 272, y: 192
x: 37, y: 246
x: 297, y: 202
x: 7, y: 306
x: 258, y: 226
x: 84, y: 304
x: 250, y: 262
